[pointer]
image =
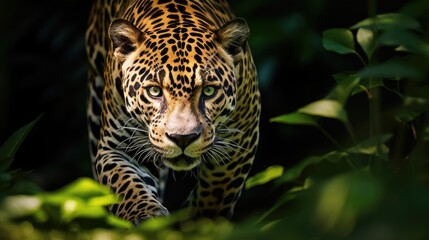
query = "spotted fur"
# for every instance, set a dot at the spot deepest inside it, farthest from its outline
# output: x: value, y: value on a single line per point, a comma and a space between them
x: 172, y: 85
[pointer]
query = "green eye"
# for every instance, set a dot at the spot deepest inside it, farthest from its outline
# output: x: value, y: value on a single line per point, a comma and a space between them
x: 154, y: 91
x: 209, y: 91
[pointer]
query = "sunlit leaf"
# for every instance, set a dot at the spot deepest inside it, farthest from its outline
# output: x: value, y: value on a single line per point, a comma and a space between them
x: 339, y: 40
x: 84, y: 198
x: 389, y: 21
x: 327, y: 108
x: 296, y: 118
x: 365, y: 38
x: 9, y: 148
x: 264, y: 176
x: 76, y: 208
x: 87, y: 189
x: 19, y: 206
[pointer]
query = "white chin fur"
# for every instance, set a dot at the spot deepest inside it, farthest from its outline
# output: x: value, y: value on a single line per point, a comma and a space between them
x: 181, y: 165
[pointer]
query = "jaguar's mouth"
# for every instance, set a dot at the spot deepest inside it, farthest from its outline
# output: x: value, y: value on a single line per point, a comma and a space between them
x: 181, y: 162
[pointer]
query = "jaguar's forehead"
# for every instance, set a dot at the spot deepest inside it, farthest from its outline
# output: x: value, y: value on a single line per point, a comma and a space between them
x: 179, y: 59
x: 179, y: 46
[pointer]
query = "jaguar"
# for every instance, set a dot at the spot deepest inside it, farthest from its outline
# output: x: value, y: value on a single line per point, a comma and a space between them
x: 172, y: 86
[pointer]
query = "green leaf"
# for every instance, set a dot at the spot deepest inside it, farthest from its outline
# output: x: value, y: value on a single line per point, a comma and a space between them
x: 264, y: 176
x: 286, y: 197
x: 9, y: 148
x: 394, y: 69
x: 86, y: 189
x: 83, y: 198
x: 346, y: 82
x: 296, y: 118
x: 327, y: 108
x: 412, y: 108
x: 388, y: 21
x: 159, y: 223
x: 425, y: 134
x: 295, y: 171
x: 339, y: 40
x: 344, y: 199
x: 373, y: 146
x: 366, y: 84
x: 365, y: 38
x: 405, y: 41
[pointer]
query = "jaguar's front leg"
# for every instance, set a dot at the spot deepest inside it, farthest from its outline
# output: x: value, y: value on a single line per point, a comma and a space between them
x: 220, y: 185
x: 134, y: 184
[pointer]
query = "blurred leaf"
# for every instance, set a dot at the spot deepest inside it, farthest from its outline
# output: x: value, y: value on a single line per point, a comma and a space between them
x: 159, y: 223
x: 295, y: 171
x: 22, y: 187
x: 264, y: 176
x: 365, y: 38
x: 405, y: 41
x: 388, y: 21
x: 345, y: 198
x: 83, y: 198
x: 416, y: 8
x: 412, y: 108
x: 19, y: 206
x: 327, y: 108
x: 286, y: 197
x: 346, y: 82
x: 5, y: 179
x: 9, y: 148
x: 296, y: 118
x: 339, y: 40
x: 373, y: 146
x: 86, y: 189
x: 425, y: 134
x: 394, y: 69
x: 77, y: 208
x: 367, y: 84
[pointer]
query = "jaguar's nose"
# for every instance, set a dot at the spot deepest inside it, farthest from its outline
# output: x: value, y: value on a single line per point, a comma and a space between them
x: 183, y: 140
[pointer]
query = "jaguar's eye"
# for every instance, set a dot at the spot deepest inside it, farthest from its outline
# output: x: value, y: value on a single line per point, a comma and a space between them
x: 154, y: 91
x: 209, y: 91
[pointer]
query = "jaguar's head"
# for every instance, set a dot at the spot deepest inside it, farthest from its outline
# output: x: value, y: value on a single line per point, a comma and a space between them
x: 179, y: 83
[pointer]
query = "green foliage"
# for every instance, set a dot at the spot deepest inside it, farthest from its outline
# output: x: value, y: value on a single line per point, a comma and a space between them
x: 339, y: 40
x: 265, y: 176
x: 66, y: 208
x: 7, y: 154
x: 346, y: 193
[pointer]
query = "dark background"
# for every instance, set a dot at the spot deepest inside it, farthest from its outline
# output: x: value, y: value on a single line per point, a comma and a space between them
x: 43, y: 70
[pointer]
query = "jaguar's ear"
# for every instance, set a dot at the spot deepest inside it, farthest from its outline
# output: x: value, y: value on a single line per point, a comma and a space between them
x: 125, y: 38
x: 233, y: 36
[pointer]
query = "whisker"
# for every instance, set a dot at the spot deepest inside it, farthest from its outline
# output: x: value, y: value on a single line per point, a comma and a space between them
x: 222, y: 156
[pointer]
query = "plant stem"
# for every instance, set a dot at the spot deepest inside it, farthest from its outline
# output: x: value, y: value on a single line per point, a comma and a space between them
x: 338, y: 145
x: 374, y: 91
